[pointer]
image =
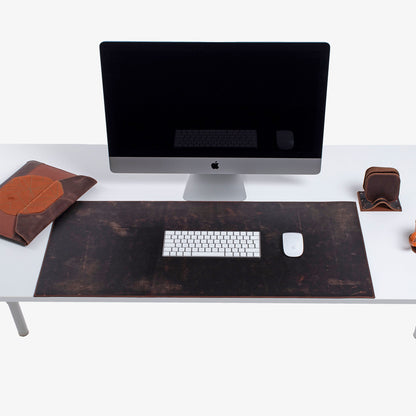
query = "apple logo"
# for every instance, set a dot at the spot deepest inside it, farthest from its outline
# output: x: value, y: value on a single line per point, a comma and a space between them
x: 215, y: 165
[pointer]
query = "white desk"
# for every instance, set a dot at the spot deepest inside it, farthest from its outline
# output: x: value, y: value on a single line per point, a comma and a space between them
x: 392, y: 263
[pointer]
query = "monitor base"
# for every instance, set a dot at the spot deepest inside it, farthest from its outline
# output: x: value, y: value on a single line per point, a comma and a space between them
x: 222, y: 187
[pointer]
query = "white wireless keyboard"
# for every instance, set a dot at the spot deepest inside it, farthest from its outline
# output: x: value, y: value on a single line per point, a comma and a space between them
x: 240, y: 244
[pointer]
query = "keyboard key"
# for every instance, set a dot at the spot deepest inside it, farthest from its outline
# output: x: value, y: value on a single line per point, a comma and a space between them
x: 252, y: 250
x: 209, y: 254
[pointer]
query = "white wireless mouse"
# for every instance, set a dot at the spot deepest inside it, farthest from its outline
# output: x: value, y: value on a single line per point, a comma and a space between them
x: 293, y: 244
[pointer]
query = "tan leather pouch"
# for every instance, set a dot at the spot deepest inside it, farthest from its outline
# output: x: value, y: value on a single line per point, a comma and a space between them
x: 34, y: 196
x: 381, y: 190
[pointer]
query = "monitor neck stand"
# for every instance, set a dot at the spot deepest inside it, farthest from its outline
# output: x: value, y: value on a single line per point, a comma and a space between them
x: 215, y: 187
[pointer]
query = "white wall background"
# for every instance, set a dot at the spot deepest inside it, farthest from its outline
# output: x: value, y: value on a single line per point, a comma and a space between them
x: 206, y: 359
x: 50, y: 82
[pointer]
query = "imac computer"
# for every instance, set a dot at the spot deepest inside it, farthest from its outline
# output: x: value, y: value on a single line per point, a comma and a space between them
x: 215, y: 110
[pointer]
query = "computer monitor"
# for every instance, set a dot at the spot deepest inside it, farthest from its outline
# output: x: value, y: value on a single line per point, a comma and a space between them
x: 215, y: 110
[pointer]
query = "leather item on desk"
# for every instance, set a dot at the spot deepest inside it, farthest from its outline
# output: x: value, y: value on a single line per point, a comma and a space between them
x: 34, y: 196
x: 114, y: 249
x: 412, y: 241
x: 381, y: 190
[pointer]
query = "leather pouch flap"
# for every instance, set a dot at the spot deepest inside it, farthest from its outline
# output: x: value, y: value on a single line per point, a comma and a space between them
x: 34, y: 196
x: 32, y: 220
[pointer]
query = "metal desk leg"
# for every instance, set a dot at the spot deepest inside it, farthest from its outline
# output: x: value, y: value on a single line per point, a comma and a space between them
x: 19, y: 320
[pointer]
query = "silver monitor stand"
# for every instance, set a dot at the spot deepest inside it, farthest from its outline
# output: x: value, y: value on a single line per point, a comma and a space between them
x: 222, y: 187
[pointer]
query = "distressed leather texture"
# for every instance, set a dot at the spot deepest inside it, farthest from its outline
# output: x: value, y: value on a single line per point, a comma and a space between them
x: 114, y: 249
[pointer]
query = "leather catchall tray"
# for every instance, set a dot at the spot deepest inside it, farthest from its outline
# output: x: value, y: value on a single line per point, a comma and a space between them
x: 34, y: 196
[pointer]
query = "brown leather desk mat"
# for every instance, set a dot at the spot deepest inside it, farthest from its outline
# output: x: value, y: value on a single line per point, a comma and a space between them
x: 113, y: 249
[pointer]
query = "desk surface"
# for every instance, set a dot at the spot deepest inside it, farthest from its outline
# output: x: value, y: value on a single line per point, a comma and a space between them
x: 391, y: 261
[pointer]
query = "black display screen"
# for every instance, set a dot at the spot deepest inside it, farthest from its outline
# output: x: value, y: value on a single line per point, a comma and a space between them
x: 196, y: 99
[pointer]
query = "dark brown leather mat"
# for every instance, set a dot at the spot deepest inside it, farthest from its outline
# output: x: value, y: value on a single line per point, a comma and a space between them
x: 114, y: 249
